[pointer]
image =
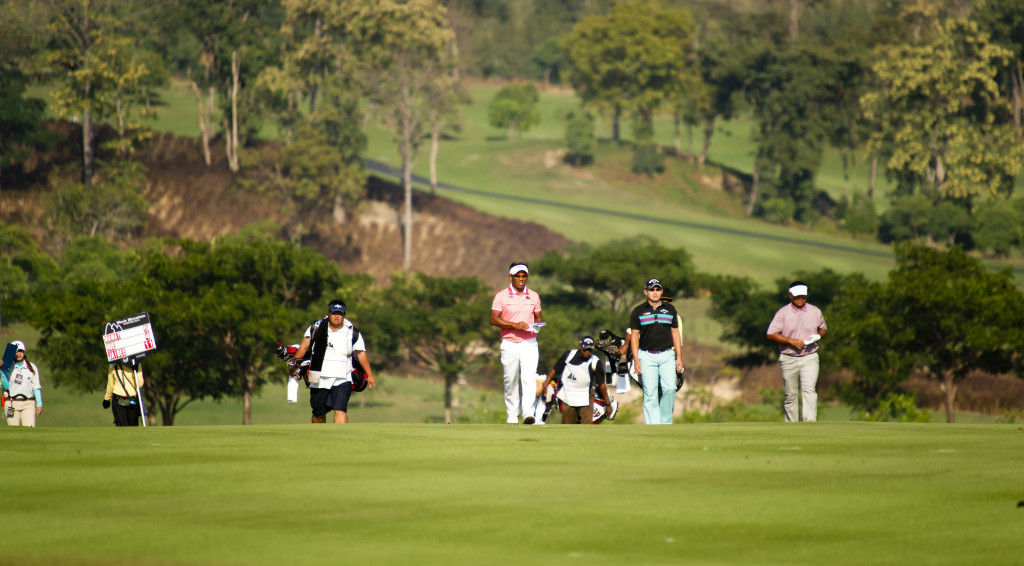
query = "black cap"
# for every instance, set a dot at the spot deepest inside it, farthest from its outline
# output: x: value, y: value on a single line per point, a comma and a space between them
x: 587, y: 343
x: 336, y: 306
x: 652, y: 283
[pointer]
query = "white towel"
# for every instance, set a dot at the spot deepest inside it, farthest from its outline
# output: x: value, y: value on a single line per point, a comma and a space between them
x: 293, y: 390
x: 621, y: 383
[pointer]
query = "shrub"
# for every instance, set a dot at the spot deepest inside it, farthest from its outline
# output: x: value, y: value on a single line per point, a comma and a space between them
x: 647, y: 160
x: 897, y: 407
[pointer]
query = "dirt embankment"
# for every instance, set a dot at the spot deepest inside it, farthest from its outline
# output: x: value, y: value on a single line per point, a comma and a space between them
x: 451, y: 239
x: 190, y: 199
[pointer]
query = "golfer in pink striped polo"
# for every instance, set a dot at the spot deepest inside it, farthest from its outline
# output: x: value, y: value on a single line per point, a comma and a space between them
x: 514, y: 311
x: 797, y: 327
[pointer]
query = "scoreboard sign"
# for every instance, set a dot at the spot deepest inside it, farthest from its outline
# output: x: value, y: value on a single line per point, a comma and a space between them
x: 128, y: 337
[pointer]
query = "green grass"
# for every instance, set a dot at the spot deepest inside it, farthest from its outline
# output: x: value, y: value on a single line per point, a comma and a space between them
x: 828, y: 493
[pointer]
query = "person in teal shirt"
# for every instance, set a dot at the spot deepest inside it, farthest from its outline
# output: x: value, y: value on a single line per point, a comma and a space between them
x: 22, y: 390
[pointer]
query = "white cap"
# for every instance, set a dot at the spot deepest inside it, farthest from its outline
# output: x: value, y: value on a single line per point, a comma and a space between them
x: 798, y: 290
x: 20, y: 345
x: 517, y: 268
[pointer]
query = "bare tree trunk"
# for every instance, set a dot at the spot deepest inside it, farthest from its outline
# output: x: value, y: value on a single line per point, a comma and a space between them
x: 232, y: 143
x: 448, y: 382
x: 948, y: 387
x: 247, y: 403
x: 435, y: 146
x: 616, y: 118
x: 794, y: 20
x: 407, y: 205
x: 204, y: 123
x: 677, y: 139
x: 709, y: 131
x: 871, y: 175
x: 338, y: 210
x: 88, y: 153
x: 1017, y: 90
x: 755, y: 185
x: 846, y: 174
x: 318, y: 32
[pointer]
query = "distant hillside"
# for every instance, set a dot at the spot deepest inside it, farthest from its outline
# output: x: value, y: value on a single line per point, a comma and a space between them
x: 192, y: 200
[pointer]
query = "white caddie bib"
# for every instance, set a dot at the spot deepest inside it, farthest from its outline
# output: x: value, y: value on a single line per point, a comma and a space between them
x: 575, y: 390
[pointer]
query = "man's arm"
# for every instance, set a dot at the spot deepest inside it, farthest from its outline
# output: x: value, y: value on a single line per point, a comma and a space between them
x: 365, y: 361
x: 798, y: 344
x: 677, y: 345
x: 496, y: 320
x: 303, y: 348
x: 634, y: 347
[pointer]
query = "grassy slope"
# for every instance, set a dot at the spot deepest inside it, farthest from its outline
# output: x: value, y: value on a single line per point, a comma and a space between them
x: 830, y: 493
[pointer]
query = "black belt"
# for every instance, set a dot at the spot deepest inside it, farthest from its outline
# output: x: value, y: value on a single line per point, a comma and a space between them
x: 657, y: 351
x: 21, y: 397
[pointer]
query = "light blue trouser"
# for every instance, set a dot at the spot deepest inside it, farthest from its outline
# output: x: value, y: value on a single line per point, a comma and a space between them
x: 658, y: 370
x: 800, y: 376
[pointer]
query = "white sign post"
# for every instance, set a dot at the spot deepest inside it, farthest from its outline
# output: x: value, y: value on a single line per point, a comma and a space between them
x: 128, y: 339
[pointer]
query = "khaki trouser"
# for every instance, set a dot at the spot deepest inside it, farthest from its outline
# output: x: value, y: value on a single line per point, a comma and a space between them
x: 24, y: 412
x: 800, y: 379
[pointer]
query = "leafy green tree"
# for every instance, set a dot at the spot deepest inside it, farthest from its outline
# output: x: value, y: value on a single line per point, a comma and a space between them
x: 941, y: 313
x: 514, y: 108
x: 114, y: 207
x: 630, y: 59
x: 858, y: 215
x: 400, y: 49
x: 906, y: 219
x: 20, y: 116
x: 612, y: 276
x: 99, y: 72
x: 441, y: 323
x: 22, y: 266
x: 1000, y: 226
x: 949, y: 222
x: 579, y: 138
x: 308, y: 177
x: 550, y: 59
x: 936, y: 104
x: 1003, y: 20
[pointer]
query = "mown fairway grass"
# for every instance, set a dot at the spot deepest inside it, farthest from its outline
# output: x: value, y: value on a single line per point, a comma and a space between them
x: 825, y: 493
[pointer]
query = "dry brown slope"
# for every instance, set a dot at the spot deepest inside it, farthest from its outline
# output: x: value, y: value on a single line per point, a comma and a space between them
x: 195, y: 201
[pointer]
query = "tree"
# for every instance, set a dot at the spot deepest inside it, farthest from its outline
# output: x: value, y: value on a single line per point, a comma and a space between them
x: 23, y: 266
x: 20, y: 116
x: 938, y: 102
x: 612, y: 275
x: 441, y: 323
x: 308, y: 177
x: 401, y: 48
x: 85, y: 34
x: 906, y: 219
x: 579, y: 138
x: 629, y: 60
x: 514, y: 108
x: 114, y: 207
x: 1003, y: 20
x: 942, y: 313
x: 1000, y: 226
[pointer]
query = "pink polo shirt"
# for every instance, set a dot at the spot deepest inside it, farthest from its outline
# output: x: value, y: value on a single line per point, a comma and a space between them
x: 798, y: 324
x: 515, y: 307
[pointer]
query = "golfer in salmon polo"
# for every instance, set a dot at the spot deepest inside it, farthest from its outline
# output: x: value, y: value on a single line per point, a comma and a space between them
x: 797, y: 327
x: 516, y: 311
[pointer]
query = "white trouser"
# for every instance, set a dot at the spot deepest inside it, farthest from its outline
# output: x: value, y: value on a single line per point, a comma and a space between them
x: 519, y: 360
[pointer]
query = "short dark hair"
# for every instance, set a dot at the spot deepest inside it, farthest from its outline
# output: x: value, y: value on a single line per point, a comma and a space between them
x: 795, y: 283
x: 515, y: 263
